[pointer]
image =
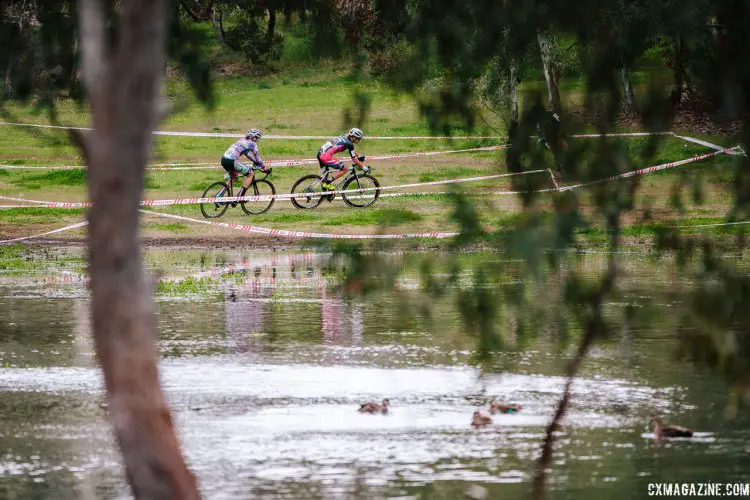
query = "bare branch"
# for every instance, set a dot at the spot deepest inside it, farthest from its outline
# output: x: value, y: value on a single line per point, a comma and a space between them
x: 199, y: 16
x: 592, y: 331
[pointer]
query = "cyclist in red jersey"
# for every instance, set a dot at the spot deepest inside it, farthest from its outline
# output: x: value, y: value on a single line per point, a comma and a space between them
x: 337, y: 145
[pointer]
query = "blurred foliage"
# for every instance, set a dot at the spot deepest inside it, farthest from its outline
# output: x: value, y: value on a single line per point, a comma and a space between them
x: 459, y: 53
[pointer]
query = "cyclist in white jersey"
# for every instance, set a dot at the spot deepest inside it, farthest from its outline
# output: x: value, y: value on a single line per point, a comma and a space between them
x: 247, y: 147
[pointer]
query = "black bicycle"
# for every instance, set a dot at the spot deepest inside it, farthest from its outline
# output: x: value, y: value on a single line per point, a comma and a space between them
x: 221, y: 189
x: 362, y: 189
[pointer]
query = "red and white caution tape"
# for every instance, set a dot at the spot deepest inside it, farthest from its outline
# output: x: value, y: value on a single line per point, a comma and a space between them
x: 265, y: 136
x: 707, y: 144
x: 59, y: 230
x: 25, y: 200
x: 270, y: 163
x: 655, y: 168
x: 194, y: 201
x: 302, y: 162
x: 303, y: 234
x: 228, y: 199
x: 625, y: 175
x: 618, y: 134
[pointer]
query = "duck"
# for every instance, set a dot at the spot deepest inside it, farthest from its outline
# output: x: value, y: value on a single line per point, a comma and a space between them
x: 479, y: 420
x: 372, y: 407
x: 669, y: 430
x: 496, y: 407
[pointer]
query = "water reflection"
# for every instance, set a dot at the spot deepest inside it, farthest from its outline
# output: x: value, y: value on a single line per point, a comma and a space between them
x: 265, y: 366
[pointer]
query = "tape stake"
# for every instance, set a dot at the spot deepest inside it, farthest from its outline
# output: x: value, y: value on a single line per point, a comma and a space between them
x: 552, y: 176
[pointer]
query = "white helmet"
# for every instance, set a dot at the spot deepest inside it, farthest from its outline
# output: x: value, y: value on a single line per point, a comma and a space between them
x: 255, y: 133
x: 355, y: 132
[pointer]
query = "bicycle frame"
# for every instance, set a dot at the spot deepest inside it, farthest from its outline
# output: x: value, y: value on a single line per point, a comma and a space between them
x: 232, y: 178
x: 352, y: 173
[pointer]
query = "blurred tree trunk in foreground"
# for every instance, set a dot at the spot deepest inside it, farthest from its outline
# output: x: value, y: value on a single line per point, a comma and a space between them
x: 123, y: 83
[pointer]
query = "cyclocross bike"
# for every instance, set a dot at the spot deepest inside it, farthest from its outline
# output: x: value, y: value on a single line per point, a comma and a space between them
x: 362, y: 189
x: 221, y: 189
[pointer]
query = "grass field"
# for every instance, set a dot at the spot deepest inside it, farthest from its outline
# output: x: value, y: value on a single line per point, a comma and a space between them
x: 311, y: 102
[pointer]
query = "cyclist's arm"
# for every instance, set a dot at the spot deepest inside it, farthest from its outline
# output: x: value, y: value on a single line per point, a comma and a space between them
x: 356, y: 161
x: 355, y: 158
x: 254, y: 156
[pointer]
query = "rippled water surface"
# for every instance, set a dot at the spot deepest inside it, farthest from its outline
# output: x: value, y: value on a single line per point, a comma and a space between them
x: 266, y: 366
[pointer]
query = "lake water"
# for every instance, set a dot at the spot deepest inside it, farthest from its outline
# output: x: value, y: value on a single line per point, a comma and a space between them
x: 265, y: 369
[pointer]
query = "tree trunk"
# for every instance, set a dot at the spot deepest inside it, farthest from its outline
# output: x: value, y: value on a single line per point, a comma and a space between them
x: 514, y: 90
x: 271, y: 26
x: 8, y: 81
x: 678, y: 72
x: 217, y: 21
x: 545, y: 48
x: 123, y: 91
x: 627, y: 89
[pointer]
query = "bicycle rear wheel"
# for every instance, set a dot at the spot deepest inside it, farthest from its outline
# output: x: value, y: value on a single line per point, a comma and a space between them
x: 310, y: 184
x: 364, y: 192
x: 260, y: 187
x: 215, y: 190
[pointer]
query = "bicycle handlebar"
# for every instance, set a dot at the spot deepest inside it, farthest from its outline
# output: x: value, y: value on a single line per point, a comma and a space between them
x: 267, y: 172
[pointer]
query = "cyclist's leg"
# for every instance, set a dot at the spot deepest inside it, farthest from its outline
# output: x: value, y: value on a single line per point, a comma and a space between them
x: 340, y: 169
x: 247, y: 171
x: 335, y: 170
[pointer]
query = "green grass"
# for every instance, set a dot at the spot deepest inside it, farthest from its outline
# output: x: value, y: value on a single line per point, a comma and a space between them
x: 382, y: 217
x: 188, y: 285
x: 452, y: 173
x: 19, y: 259
x: 169, y: 226
x: 72, y: 177
x: 287, y: 218
x: 310, y: 99
x: 37, y: 215
x: 13, y: 251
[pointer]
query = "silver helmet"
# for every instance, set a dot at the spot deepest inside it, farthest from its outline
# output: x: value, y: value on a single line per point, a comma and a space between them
x: 357, y: 133
x: 254, y: 133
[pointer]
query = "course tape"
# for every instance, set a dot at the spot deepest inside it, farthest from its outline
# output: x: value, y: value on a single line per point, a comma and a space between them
x: 323, y: 137
x: 303, y: 234
x: 714, y: 225
x: 300, y: 234
x: 227, y: 199
x: 59, y: 230
x: 194, y: 201
x: 271, y: 163
x: 302, y: 162
x: 632, y: 173
x: 265, y: 136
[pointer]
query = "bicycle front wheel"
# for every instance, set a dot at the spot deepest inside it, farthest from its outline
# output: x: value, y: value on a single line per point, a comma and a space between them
x: 311, y: 185
x: 361, y: 191
x: 215, y: 210
x: 259, y: 188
